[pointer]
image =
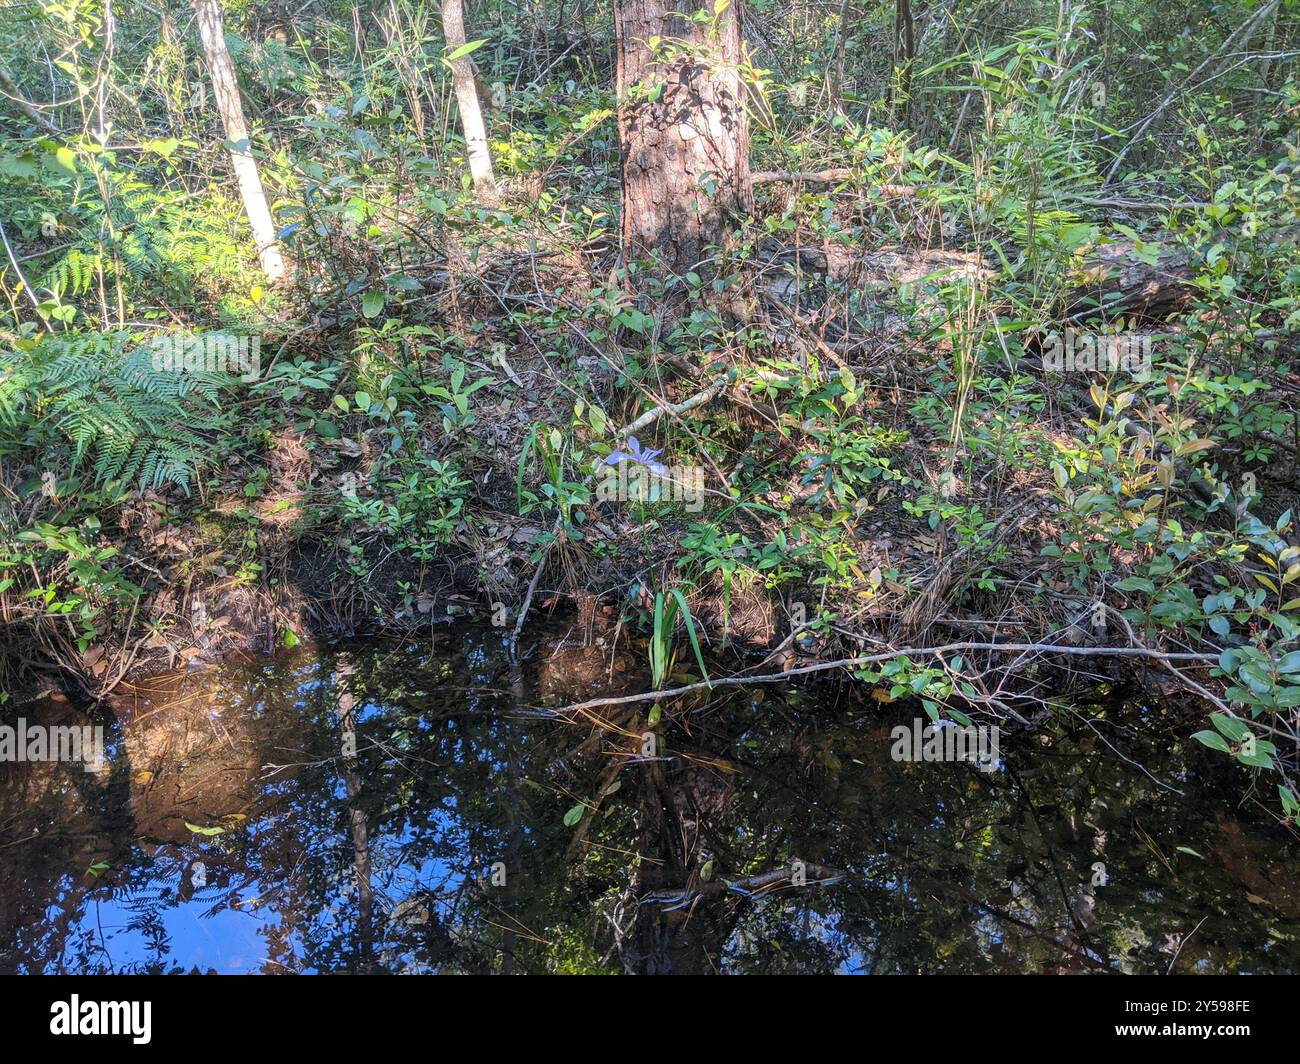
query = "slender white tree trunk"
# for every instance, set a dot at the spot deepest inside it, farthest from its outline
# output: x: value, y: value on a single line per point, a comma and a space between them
x: 226, y: 90
x: 471, y: 115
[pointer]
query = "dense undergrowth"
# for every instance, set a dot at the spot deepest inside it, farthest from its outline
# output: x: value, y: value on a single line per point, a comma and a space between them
x: 892, y: 464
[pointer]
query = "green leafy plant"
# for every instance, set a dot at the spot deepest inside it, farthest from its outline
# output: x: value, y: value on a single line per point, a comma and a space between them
x: 663, y: 636
x: 100, y: 394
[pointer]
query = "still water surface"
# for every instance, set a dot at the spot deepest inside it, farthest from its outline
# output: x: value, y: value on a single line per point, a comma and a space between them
x: 233, y: 830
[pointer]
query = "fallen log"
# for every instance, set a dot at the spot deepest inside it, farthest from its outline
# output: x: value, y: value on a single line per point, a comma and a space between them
x: 1114, y: 277
x: 1117, y: 277
x: 824, y: 177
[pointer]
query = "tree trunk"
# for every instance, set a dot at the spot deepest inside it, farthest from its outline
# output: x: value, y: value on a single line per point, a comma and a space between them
x: 226, y: 90
x: 683, y: 129
x: 904, y: 52
x: 471, y: 115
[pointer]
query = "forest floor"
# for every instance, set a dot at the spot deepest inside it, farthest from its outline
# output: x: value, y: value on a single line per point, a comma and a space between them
x: 894, y: 432
x: 836, y: 509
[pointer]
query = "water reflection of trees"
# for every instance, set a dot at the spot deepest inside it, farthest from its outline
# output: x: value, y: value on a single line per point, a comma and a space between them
x: 383, y: 857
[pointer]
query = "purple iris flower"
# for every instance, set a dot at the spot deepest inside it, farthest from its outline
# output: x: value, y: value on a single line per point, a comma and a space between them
x: 637, y: 454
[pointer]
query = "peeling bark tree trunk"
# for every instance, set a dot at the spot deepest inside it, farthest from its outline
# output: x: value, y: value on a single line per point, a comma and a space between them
x: 471, y: 114
x: 226, y: 90
x: 683, y: 129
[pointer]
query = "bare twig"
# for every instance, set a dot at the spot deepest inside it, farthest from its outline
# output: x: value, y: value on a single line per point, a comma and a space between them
x: 9, y: 89
x: 890, y: 655
x: 1247, y: 28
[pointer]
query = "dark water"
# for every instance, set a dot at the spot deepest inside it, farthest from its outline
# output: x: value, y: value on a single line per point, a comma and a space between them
x: 772, y: 833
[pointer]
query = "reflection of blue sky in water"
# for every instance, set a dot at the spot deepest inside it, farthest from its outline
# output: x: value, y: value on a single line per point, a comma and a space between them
x: 943, y: 868
x: 229, y: 941
x: 228, y: 931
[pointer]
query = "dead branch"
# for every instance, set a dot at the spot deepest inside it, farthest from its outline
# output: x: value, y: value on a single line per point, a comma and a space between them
x: 890, y: 655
